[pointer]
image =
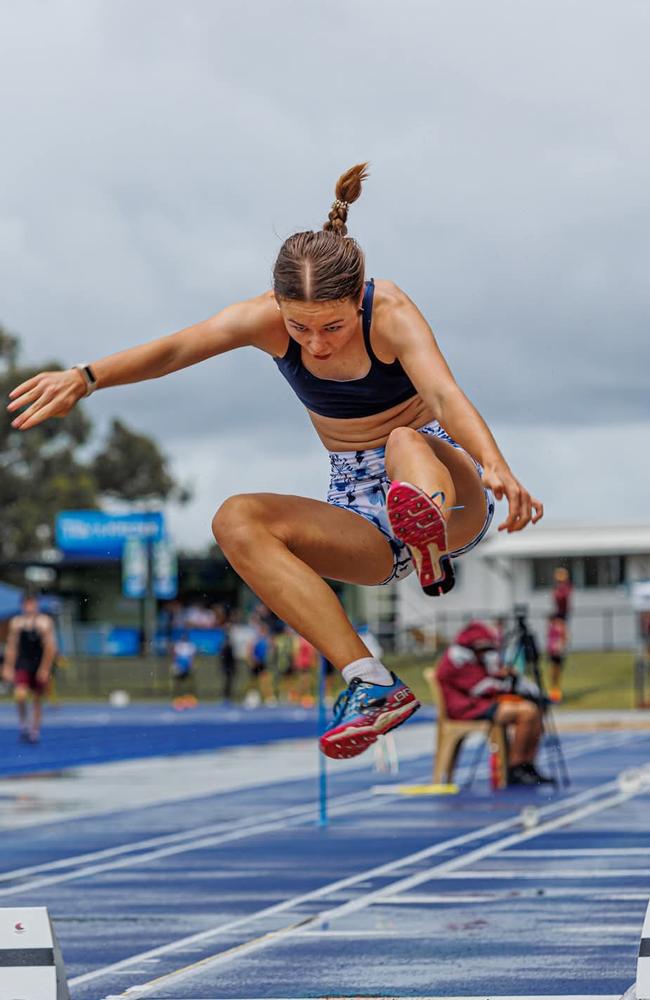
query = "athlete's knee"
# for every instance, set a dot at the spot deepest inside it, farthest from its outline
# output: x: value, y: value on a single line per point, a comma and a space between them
x: 399, y: 439
x: 234, y: 524
x: 234, y: 515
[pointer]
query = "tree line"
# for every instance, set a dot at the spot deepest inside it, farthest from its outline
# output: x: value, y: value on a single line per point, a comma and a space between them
x: 59, y: 465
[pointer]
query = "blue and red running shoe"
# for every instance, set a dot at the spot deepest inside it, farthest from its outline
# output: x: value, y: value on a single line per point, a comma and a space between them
x: 416, y: 519
x: 365, y: 711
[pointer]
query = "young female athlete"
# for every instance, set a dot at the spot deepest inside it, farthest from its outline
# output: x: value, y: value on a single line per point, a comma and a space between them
x: 413, y: 465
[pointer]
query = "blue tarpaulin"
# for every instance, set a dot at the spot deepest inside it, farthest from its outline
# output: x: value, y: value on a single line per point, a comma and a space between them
x: 11, y: 597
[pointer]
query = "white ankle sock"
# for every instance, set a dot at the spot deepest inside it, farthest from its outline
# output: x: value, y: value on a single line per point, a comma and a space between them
x: 368, y: 669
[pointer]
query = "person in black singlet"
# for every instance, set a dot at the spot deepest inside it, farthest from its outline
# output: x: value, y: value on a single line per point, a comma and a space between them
x: 414, y: 469
x: 29, y: 657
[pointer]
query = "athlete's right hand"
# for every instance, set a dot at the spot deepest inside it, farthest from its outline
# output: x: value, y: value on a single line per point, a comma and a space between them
x: 49, y: 394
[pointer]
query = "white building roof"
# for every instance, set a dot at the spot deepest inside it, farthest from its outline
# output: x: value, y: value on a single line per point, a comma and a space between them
x: 539, y: 540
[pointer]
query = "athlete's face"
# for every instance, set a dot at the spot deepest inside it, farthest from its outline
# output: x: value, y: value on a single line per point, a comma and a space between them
x: 321, y: 328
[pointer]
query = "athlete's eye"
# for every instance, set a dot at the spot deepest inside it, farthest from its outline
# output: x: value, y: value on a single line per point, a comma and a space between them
x: 332, y: 329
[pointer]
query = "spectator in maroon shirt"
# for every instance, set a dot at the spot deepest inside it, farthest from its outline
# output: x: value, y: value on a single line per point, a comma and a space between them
x: 475, y: 685
x: 562, y: 593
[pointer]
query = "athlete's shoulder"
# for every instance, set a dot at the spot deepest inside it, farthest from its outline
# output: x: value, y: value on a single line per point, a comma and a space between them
x: 397, y: 317
x: 391, y: 300
x: 260, y: 320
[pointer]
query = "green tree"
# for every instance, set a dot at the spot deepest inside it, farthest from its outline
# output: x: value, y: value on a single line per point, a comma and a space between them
x: 44, y: 470
x: 130, y: 466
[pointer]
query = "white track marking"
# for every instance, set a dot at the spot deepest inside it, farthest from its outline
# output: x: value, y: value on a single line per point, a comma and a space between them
x: 332, y: 888
x: 455, y: 864
x: 251, y: 824
x: 547, y: 874
x: 162, y: 841
x: 378, y: 895
x: 347, y: 803
x: 492, y: 996
x: 583, y: 852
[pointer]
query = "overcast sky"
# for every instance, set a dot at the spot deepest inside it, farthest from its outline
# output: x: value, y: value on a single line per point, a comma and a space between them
x: 156, y: 154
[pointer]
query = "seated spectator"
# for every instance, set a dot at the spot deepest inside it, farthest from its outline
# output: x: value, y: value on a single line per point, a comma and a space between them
x: 475, y: 685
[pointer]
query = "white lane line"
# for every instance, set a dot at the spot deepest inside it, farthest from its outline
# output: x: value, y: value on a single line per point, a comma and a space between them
x: 455, y: 864
x: 550, y: 874
x: 347, y: 803
x: 492, y: 996
x: 185, y: 839
x: 582, y: 852
x: 379, y: 895
x: 506, y: 895
x: 328, y: 890
x: 181, y: 943
x: 252, y: 824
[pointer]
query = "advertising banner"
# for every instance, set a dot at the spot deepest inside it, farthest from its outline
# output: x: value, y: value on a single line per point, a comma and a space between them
x: 165, y: 570
x: 135, y: 568
x: 88, y: 533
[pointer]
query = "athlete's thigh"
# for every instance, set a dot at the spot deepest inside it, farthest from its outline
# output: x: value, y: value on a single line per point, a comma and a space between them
x: 465, y: 524
x: 336, y: 543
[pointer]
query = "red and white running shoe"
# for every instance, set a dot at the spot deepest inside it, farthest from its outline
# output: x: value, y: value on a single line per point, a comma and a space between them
x: 417, y: 520
x: 365, y: 711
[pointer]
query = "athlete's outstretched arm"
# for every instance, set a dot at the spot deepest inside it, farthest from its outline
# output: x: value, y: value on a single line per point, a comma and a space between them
x: 53, y: 394
x: 416, y: 347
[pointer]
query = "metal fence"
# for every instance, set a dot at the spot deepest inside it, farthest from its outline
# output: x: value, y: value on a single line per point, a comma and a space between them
x: 597, y: 629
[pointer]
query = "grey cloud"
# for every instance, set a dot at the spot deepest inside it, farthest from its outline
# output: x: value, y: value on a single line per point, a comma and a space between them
x: 159, y: 153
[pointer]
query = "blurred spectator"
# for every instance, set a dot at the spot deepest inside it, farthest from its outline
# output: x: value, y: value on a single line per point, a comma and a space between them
x: 197, y: 616
x: 182, y: 671
x: 259, y: 659
x: 28, y: 660
x: 556, y: 644
x: 228, y: 664
x: 475, y: 685
x: 302, y: 675
x: 562, y: 593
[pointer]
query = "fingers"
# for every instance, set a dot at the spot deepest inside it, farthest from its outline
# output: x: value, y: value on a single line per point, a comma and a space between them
x: 24, y: 386
x: 520, y: 508
x: 36, y: 414
x: 22, y: 400
x: 538, y: 508
x: 50, y: 394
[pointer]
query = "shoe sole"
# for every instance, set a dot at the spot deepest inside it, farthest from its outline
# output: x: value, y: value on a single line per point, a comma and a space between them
x: 353, y: 740
x: 418, y: 522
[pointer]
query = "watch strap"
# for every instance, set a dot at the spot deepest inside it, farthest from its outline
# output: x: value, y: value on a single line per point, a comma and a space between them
x: 89, y: 376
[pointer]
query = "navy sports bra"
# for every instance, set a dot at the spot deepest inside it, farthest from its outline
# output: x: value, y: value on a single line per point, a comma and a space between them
x: 384, y: 386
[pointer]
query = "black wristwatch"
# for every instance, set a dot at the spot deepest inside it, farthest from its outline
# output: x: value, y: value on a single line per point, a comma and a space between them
x: 88, y: 376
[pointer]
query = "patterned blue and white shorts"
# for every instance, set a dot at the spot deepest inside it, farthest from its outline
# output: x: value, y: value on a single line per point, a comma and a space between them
x: 358, y: 482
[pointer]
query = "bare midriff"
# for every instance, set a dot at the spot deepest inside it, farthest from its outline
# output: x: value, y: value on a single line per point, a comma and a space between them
x: 361, y: 433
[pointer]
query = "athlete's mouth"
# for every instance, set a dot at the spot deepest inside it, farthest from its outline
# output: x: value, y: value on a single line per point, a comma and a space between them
x: 321, y: 357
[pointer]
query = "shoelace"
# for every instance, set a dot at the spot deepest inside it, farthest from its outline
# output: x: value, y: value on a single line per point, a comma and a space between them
x: 343, y: 699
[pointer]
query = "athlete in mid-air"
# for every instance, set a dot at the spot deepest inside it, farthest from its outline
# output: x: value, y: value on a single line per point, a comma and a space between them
x: 414, y: 467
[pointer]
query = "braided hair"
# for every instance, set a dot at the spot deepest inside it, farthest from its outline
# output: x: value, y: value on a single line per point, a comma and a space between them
x: 327, y: 264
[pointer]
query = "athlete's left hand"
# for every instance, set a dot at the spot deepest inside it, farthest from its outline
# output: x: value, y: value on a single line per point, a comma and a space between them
x: 522, y: 508
x: 43, y: 677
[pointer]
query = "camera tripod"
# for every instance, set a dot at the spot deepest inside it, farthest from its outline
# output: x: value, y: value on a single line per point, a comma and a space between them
x: 521, y: 646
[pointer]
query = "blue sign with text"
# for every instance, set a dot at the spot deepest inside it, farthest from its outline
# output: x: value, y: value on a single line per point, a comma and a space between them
x: 94, y: 533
